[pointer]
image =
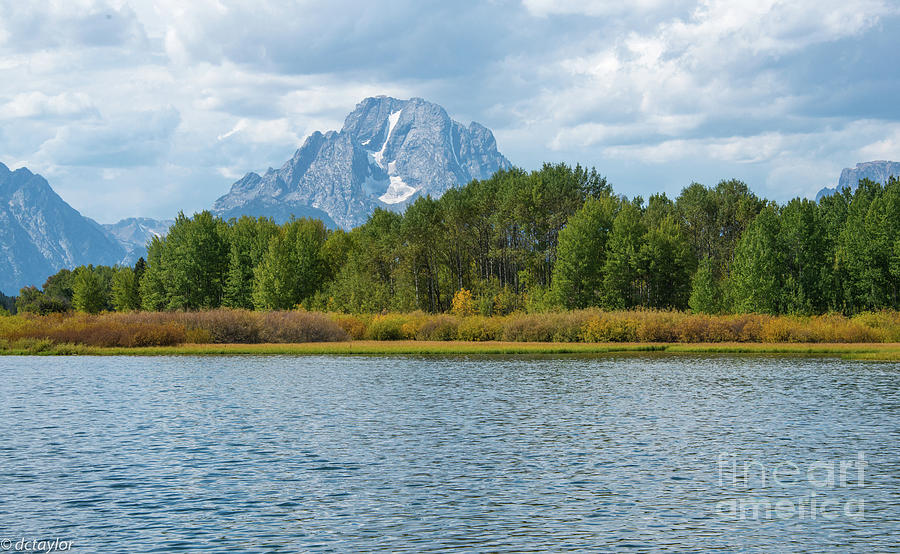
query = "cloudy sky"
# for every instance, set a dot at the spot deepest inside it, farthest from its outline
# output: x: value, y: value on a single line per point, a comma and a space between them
x: 149, y: 107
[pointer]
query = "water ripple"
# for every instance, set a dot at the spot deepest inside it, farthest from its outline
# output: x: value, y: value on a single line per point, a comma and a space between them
x: 281, y: 454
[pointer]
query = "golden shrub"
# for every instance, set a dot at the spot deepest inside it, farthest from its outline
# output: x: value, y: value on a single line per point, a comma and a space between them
x: 480, y: 328
x: 463, y: 303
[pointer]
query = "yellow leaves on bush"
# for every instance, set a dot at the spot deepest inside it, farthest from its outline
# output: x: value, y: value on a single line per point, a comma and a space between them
x: 352, y: 325
x: 35, y: 333
x: 438, y: 327
x: 463, y: 303
x: 137, y: 329
x: 480, y: 328
x: 609, y: 329
x: 391, y: 327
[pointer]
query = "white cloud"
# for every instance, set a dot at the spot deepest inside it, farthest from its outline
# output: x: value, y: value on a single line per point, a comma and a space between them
x: 184, y: 97
x: 272, y: 131
x: 37, y: 105
x: 887, y: 148
x: 29, y: 27
x: 592, y: 8
x: 140, y: 139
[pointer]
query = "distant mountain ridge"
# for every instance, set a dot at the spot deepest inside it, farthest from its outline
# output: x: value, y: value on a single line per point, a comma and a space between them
x: 134, y: 233
x: 41, y: 234
x: 388, y: 153
x: 878, y: 171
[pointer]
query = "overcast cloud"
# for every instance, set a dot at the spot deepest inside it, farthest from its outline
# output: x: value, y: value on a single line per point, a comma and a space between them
x: 145, y: 108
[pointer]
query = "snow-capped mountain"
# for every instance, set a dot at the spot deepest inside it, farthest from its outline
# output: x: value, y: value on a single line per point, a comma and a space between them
x: 878, y: 171
x: 41, y: 234
x: 135, y: 232
x: 388, y: 153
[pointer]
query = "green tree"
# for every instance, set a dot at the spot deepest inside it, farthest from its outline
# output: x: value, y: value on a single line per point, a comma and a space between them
x: 659, y: 207
x: 714, y: 220
x: 667, y: 262
x: 139, y: 268
x: 865, y: 247
x: 292, y: 269
x: 698, y: 210
x: 154, y: 296
x: 736, y: 208
x: 88, y: 291
x: 8, y: 303
x: 60, y: 286
x: 706, y: 290
x: 126, y: 294
x: 366, y: 267
x: 808, y: 256
x: 757, y: 279
x: 186, y: 269
x: 623, y: 284
x: 426, y: 255
x: 197, y: 258
x: 249, y: 240
x: 32, y: 300
x: 581, y: 254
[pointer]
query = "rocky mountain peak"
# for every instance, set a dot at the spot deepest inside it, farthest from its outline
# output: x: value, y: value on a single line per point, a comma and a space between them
x: 878, y: 171
x: 40, y: 233
x: 388, y: 153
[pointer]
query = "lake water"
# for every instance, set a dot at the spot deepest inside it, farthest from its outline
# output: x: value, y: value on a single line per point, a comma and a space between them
x: 350, y: 454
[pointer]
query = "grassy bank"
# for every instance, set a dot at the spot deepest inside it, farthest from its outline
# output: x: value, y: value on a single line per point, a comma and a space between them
x: 861, y: 351
x: 582, y: 331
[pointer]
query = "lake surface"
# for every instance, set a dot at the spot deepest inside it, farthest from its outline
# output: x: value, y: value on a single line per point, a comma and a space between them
x: 349, y: 454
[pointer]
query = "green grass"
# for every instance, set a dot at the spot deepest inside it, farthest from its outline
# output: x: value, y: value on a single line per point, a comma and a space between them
x: 862, y: 351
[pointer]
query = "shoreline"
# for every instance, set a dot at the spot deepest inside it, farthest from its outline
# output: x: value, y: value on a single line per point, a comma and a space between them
x: 851, y: 351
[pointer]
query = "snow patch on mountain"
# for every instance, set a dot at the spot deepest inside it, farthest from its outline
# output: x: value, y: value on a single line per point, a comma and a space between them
x: 397, y: 191
x: 392, y: 122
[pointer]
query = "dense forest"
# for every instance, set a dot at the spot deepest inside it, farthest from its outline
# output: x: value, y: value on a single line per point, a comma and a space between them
x: 556, y: 238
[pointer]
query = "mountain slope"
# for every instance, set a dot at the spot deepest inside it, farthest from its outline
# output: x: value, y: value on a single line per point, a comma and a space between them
x: 879, y: 171
x: 388, y: 153
x: 134, y: 233
x: 41, y: 234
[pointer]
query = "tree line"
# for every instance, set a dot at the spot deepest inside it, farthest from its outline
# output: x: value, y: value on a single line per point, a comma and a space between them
x: 555, y: 238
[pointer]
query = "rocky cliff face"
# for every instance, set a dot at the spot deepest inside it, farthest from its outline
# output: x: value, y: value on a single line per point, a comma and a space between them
x: 879, y: 171
x: 388, y: 153
x: 41, y: 234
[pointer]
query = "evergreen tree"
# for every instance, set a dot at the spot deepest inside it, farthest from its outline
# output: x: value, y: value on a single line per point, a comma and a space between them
x: 139, y: 268
x: 8, y: 303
